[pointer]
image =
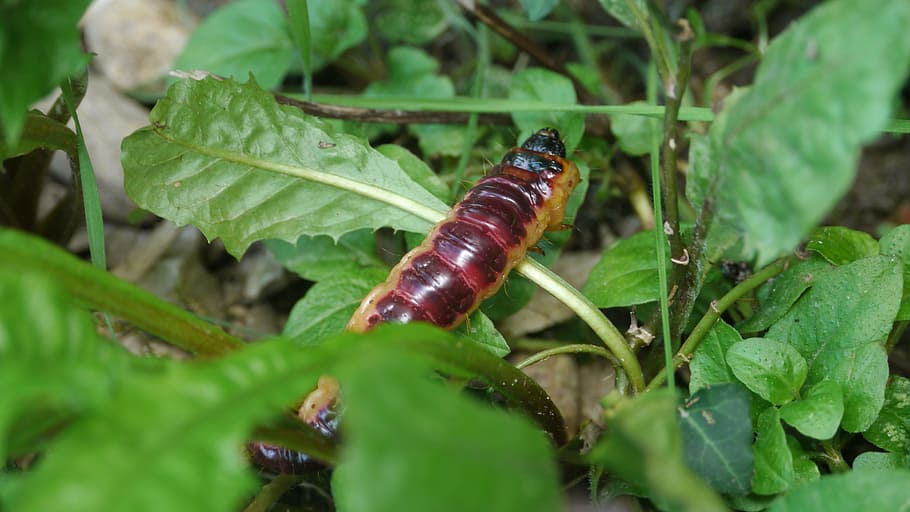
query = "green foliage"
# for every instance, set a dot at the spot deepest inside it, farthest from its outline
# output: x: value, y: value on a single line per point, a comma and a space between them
x: 240, y: 38
x: 396, y: 460
x: 546, y: 86
x: 626, y: 273
x: 643, y: 445
x: 769, y: 419
x: 39, y: 47
x: 783, y: 152
x: 324, y: 183
x: 717, y: 437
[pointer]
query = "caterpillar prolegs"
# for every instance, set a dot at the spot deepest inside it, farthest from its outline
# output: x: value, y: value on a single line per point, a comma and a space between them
x: 466, y: 257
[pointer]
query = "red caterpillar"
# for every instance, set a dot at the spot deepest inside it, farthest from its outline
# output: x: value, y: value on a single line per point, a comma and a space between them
x: 464, y: 259
x: 466, y: 256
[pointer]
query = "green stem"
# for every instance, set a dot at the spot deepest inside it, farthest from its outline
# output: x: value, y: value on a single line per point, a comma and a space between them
x: 834, y: 458
x: 102, y: 291
x: 589, y: 313
x: 271, y: 492
x: 713, y: 314
x: 483, y: 61
x: 577, y: 348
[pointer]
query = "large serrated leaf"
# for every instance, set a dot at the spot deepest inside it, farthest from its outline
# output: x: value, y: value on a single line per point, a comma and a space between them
x: 785, y: 151
x: 227, y: 158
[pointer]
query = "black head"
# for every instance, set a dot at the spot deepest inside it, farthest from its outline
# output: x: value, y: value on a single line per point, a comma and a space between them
x: 546, y: 141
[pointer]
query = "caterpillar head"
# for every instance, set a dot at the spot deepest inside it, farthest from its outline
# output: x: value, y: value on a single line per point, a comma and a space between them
x: 546, y: 141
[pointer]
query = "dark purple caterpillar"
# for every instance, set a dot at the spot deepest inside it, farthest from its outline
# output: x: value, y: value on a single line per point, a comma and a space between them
x: 464, y: 259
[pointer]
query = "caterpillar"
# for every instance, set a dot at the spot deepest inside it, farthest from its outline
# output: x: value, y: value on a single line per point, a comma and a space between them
x: 465, y: 257
x: 463, y: 260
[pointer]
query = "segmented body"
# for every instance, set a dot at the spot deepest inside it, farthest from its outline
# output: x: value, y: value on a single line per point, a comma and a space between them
x: 463, y: 260
x: 466, y: 257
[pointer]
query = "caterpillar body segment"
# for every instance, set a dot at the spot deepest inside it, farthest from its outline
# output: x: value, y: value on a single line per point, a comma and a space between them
x: 466, y: 257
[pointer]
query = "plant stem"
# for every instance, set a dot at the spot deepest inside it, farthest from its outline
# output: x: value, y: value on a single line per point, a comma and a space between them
x: 895, y: 335
x: 589, y: 313
x: 713, y: 314
x: 271, y: 491
x: 834, y: 458
x: 100, y: 290
x: 483, y: 62
x: 577, y: 348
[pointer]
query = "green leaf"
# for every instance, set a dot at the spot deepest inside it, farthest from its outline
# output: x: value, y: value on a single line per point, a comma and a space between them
x: 51, y: 358
x: 891, y: 430
x: 228, y: 159
x: 243, y: 37
x: 818, y: 413
x: 633, y: 133
x: 412, y: 74
x: 642, y: 444
x: 897, y: 243
x: 40, y: 131
x: 537, y: 84
x: 315, y: 258
x: 838, y: 327
x: 336, y: 25
x: 538, y: 9
x: 620, y: 10
x: 626, y: 274
x: 709, y: 364
x: 412, y: 444
x: 39, y: 46
x: 414, y: 22
x: 417, y: 169
x: 840, y: 245
x: 328, y: 305
x: 878, y: 461
x: 870, y: 490
x: 773, y: 459
x: 783, y: 292
x: 782, y: 154
x: 772, y: 370
x: 180, y: 429
x: 804, y: 467
x: 717, y: 437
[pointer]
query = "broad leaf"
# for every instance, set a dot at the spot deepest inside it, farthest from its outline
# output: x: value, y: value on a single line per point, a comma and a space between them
x: 772, y: 370
x: 39, y: 46
x: 779, y: 295
x: 818, y: 413
x: 878, y: 461
x: 626, y: 274
x: 240, y: 38
x: 40, y: 131
x: 840, y: 245
x: 336, y: 25
x: 620, y: 10
x: 717, y: 437
x: 642, y: 444
x: 539, y: 84
x: 773, y: 459
x: 709, y: 363
x: 228, y: 159
x: 538, y: 9
x: 841, y: 339
x: 847, y: 492
x: 412, y: 444
x: 633, y: 133
x: 784, y: 152
x: 318, y: 258
x: 329, y: 304
x: 891, y: 430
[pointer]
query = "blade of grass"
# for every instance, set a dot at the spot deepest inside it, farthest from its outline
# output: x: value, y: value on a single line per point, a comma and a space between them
x: 299, y: 21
